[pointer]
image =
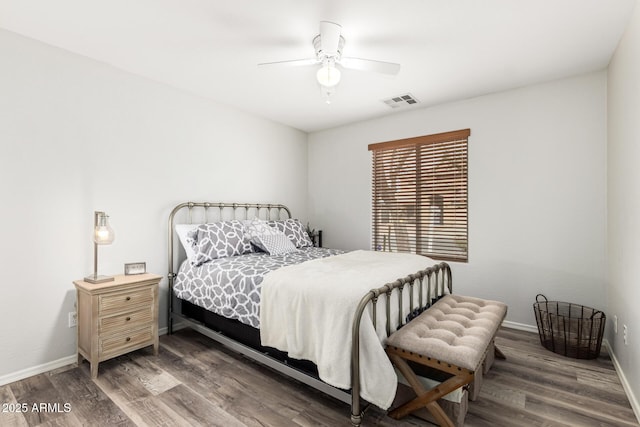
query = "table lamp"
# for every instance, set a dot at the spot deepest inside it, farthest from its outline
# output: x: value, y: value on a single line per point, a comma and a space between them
x: 103, y: 234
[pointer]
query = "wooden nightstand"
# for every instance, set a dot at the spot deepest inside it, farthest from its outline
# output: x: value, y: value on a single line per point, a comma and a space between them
x: 116, y: 317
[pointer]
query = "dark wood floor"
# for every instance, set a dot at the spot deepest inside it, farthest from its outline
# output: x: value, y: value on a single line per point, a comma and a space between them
x: 194, y: 381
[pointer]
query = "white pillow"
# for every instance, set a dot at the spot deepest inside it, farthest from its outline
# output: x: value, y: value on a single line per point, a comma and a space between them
x: 182, y: 230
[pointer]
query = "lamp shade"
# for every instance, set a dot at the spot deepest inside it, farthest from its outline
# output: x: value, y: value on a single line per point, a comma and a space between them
x: 328, y: 75
x: 103, y: 233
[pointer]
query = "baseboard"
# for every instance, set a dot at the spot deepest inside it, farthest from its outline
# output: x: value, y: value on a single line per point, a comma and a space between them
x: 176, y: 327
x: 520, y: 326
x: 633, y: 400
x: 37, y: 370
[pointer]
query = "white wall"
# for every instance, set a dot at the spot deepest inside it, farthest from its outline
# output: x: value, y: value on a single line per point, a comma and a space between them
x: 537, y: 189
x: 77, y: 136
x: 623, y: 155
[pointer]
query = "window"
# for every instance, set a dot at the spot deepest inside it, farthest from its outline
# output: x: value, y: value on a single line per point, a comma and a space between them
x: 420, y: 195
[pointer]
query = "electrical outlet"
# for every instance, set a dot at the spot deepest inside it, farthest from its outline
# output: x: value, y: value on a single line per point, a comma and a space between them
x: 624, y: 334
x: 73, y: 319
x: 615, y: 324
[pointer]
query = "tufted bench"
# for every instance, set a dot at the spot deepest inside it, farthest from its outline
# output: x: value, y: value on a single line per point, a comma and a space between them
x: 453, y: 337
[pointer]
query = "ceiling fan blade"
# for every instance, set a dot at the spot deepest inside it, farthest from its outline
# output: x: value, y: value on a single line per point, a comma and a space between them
x: 293, y: 62
x: 383, y: 67
x: 329, y: 37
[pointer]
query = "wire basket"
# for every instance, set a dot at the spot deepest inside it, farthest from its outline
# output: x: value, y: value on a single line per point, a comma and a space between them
x: 568, y: 329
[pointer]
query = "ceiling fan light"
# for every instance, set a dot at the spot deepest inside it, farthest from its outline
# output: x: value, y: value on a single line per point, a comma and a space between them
x: 328, y: 76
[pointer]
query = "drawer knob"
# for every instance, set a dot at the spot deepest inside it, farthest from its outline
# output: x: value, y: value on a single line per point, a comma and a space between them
x: 128, y: 339
x: 128, y: 298
x: 128, y: 318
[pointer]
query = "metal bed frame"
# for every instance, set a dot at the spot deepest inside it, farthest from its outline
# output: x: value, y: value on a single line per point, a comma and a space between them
x: 419, y: 286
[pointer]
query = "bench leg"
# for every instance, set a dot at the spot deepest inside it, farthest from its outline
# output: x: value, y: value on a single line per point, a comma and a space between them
x: 427, y: 398
x: 499, y: 354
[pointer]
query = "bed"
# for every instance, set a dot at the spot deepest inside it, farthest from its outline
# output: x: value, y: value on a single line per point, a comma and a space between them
x: 318, y: 315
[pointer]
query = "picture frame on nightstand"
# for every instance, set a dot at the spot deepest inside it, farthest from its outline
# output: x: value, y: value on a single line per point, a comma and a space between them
x: 135, y: 268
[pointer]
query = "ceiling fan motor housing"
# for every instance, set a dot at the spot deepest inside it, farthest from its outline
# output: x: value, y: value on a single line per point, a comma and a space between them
x: 322, y: 54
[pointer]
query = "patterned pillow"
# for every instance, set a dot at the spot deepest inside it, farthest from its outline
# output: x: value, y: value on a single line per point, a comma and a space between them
x: 256, y: 227
x: 294, y: 230
x: 218, y: 240
x: 274, y: 244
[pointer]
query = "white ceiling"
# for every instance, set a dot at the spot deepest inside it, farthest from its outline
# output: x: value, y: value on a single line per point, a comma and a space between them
x: 449, y: 49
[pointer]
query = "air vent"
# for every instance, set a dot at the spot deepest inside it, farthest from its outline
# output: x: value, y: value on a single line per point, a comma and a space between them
x: 401, y: 101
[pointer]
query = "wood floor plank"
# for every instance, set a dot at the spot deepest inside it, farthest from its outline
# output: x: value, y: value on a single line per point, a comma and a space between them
x: 511, y: 397
x: 151, y: 412
x: 189, y: 370
x: 196, y: 410
x: 115, y: 379
x: 248, y: 408
x: 567, y: 414
x: 64, y: 420
x: 145, y: 374
x: 11, y: 414
x: 40, y: 398
x: 133, y: 384
x: 88, y: 402
x: 251, y: 378
x: 487, y: 412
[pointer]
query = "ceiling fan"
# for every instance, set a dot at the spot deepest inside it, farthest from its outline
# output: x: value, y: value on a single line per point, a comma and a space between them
x: 328, y: 46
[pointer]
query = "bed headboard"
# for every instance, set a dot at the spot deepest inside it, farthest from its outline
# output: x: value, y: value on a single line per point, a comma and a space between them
x: 206, y: 212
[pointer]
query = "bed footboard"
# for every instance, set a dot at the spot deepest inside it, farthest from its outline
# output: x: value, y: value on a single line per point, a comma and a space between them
x: 413, y: 294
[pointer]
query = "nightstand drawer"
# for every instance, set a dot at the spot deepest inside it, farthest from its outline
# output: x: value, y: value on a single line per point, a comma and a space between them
x: 124, y: 301
x: 121, y: 343
x: 125, y: 322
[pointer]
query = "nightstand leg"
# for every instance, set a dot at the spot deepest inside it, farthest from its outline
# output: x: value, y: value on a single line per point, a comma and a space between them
x: 94, y: 370
x: 155, y: 348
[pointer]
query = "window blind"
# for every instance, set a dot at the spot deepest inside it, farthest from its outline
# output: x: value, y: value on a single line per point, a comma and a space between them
x: 419, y: 190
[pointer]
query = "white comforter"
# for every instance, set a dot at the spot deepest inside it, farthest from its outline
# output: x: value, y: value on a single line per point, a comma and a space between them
x: 307, y: 310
